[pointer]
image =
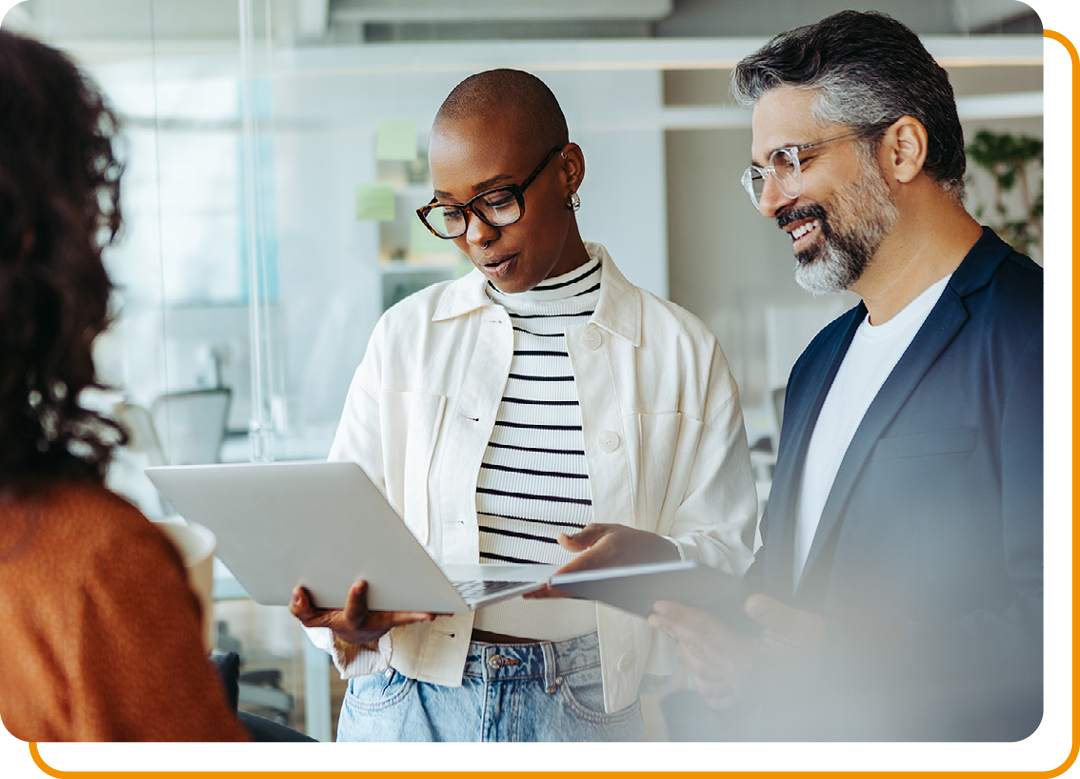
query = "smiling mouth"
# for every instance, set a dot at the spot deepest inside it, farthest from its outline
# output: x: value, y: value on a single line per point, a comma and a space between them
x: 803, y: 225
x: 803, y: 229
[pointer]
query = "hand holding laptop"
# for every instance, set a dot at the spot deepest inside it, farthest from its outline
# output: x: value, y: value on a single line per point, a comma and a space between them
x: 354, y: 624
x: 361, y: 570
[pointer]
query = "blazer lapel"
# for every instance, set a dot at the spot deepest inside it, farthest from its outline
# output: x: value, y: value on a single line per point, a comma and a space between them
x: 939, y: 329
x: 800, y: 416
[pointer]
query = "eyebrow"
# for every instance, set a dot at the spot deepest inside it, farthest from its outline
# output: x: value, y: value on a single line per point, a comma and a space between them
x: 479, y: 187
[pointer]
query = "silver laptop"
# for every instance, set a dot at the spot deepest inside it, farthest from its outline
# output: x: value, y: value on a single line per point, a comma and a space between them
x: 323, y: 525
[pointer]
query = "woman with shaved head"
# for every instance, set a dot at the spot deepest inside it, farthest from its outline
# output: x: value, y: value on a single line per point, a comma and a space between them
x: 541, y: 409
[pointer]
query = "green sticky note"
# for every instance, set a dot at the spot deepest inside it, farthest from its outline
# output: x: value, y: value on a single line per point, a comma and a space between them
x: 375, y: 201
x: 421, y: 240
x: 395, y: 140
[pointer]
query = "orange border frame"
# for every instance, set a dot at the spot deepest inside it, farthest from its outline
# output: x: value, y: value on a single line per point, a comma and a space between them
x: 57, y: 774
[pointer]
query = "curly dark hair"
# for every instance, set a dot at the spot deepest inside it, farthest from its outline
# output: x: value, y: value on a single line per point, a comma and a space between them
x: 59, y: 208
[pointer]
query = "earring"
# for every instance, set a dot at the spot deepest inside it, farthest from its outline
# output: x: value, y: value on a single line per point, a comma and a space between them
x: 573, y: 202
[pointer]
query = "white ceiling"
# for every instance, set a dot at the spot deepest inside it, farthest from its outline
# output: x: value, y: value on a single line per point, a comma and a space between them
x: 313, y: 22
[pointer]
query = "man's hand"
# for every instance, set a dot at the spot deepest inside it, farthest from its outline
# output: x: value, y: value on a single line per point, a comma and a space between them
x: 726, y: 665
x: 608, y: 546
x: 354, y: 624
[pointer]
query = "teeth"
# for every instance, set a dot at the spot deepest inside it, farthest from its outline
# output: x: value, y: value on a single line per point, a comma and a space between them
x: 802, y: 230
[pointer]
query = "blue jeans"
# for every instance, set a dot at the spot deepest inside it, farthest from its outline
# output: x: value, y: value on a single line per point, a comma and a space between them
x: 542, y: 691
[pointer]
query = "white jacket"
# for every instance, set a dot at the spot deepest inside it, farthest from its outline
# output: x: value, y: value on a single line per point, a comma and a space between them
x: 665, y: 449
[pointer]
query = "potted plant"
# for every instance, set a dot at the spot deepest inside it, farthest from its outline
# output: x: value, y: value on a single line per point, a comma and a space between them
x: 1012, y: 161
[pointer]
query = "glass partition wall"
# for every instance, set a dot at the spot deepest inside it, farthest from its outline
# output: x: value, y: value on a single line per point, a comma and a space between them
x: 275, y: 154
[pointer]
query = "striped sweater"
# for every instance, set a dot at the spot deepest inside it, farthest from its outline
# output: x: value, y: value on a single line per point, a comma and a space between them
x: 533, y: 482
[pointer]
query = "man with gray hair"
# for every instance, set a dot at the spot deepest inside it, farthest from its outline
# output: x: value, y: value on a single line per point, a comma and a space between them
x: 899, y: 584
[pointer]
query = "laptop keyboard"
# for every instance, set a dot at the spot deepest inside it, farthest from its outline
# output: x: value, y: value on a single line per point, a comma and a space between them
x: 476, y: 588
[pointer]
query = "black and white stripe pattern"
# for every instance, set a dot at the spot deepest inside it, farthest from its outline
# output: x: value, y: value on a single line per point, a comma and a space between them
x: 533, y: 483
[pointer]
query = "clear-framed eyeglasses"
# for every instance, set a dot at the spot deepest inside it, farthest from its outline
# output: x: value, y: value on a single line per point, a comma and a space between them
x: 785, y: 168
x: 497, y: 207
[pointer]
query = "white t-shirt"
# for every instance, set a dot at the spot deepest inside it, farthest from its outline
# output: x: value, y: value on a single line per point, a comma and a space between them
x: 873, y: 353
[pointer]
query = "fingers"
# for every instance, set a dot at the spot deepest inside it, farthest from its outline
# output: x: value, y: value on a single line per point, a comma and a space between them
x: 547, y: 591
x: 726, y: 665
x: 584, y: 538
x: 350, y: 618
x: 354, y: 624
x: 708, y: 649
x: 356, y: 610
x: 599, y: 546
x: 300, y: 606
x: 681, y: 621
x: 768, y: 612
x: 582, y: 562
x: 785, y: 626
x: 607, y: 545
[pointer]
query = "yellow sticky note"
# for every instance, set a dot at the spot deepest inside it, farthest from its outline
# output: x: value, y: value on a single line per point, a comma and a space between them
x: 395, y: 140
x: 421, y: 240
x: 375, y: 201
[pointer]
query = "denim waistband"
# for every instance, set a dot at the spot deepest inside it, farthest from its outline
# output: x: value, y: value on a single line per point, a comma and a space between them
x: 534, y: 659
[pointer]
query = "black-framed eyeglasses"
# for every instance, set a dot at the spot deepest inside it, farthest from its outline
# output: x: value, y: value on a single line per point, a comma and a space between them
x: 497, y: 207
x: 785, y: 168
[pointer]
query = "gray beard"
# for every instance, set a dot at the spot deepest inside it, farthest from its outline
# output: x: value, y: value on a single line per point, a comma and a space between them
x: 847, y: 249
x: 831, y: 272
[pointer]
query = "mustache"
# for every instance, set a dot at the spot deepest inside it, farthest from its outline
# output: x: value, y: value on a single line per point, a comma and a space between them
x: 812, y: 211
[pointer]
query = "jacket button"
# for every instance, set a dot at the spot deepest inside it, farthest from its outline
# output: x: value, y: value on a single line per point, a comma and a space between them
x: 626, y: 663
x: 591, y: 339
x: 608, y: 441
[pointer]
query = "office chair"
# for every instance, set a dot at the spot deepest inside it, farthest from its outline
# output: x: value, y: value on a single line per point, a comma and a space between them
x: 259, y: 688
x: 142, y: 435
x: 192, y: 424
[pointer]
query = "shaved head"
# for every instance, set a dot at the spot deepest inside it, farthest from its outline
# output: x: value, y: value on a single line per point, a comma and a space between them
x: 512, y: 94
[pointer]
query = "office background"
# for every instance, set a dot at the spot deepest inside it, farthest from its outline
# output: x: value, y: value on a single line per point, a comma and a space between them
x: 276, y: 151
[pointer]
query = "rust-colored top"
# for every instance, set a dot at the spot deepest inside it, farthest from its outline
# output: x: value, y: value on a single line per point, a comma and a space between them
x: 100, y: 636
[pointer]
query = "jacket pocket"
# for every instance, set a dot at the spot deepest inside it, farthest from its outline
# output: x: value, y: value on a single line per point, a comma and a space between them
x: 662, y: 466
x: 411, y: 421
x: 960, y: 439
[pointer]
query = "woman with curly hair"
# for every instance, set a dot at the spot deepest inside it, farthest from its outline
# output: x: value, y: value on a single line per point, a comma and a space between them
x: 101, y: 636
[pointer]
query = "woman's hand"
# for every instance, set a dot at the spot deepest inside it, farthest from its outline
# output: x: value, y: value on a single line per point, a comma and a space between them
x: 608, y: 546
x: 354, y: 624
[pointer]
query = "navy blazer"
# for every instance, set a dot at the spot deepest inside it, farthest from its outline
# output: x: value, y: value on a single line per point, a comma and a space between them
x: 927, y: 562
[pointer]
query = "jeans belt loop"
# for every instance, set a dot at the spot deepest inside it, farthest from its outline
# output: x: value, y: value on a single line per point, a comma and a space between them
x: 550, y: 673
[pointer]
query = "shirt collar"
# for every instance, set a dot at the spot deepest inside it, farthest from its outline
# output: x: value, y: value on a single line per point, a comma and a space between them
x: 618, y: 312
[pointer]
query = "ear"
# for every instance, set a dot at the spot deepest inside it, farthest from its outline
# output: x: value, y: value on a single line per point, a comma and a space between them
x: 573, y: 167
x: 903, y: 149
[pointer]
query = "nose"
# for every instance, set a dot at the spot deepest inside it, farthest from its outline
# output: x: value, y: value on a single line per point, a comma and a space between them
x: 478, y: 232
x: 772, y: 200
